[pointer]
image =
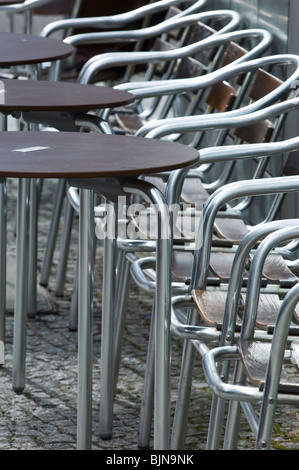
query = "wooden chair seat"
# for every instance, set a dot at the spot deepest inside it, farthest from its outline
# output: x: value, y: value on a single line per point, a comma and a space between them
x: 143, y: 224
x: 194, y: 192
x: 128, y: 120
x: 275, y: 269
x: 295, y: 353
x: 230, y: 228
x: 277, y: 272
x: 211, y: 304
x: 255, y: 357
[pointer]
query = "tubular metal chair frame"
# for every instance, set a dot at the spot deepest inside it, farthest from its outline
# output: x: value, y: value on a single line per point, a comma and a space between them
x: 193, y: 84
x: 201, y: 336
x: 270, y: 396
x: 101, y: 61
x: 117, y: 59
x: 27, y: 7
x: 249, y: 119
x: 230, y: 191
x: 121, y: 20
x: 114, y: 22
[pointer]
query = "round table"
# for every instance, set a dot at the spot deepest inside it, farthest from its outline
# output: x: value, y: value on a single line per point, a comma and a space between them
x: 57, y: 104
x: 24, y: 49
x: 45, y: 96
x: 110, y: 165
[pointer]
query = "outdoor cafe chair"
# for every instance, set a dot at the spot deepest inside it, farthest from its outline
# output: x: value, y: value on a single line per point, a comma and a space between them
x: 218, y: 263
x: 196, y: 59
x: 210, y: 299
x: 263, y: 375
x: 221, y: 256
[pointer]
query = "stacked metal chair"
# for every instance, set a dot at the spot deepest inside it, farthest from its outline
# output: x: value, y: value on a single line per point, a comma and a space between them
x: 142, y: 266
x: 228, y: 20
x: 263, y: 373
x: 160, y: 87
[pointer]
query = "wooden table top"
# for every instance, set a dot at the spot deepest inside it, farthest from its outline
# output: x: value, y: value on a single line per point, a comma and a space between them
x: 23, y: 49
x: 40, y: 95
x: 88, y: 155
x: 10, y: 2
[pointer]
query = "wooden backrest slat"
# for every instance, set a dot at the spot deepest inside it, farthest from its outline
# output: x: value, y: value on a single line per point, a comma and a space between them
x: 232, y: 53
x: 291, y: 166
x: 221, y: 96
x: 162, y: 45
x: 256, y: 133
x: 171, y: 12
x: 189, y: 67
x: 263, y: 84
x: 201, y: 31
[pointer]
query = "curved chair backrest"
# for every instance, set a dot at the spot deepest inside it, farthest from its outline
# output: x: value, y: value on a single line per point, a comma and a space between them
x: 122, y: 20
x: 227, y: 20
x: 122, y: 31
x: 29, y: 8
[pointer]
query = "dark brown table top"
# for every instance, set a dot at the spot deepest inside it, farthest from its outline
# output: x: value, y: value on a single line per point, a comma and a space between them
x: 23, y: 49
x: 87, y: 155
x: 10, y: 2
x: 39, y: 95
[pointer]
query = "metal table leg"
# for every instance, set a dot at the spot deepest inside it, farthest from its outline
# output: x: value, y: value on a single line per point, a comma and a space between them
x: 21, y: 289
x: 85, y: 319
x: 108, y: 313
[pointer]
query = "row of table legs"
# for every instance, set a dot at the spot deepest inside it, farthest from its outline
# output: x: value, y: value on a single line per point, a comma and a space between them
x: 85, y: 312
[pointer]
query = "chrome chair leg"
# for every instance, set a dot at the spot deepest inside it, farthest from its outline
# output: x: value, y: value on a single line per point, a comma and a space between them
x: 215, y: 424
x: 233, y: 418
x: 147, y: 403
x: 3, y: 253
x: 180, y: 421
x: 107, y: 337
x: 64, y: 249
x: 21, y: 289
x: 46, y: 267
x: 85, y: 320
x: 123, y: 277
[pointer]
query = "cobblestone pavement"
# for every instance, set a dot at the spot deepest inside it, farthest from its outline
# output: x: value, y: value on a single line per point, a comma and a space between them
x: 43, y: 417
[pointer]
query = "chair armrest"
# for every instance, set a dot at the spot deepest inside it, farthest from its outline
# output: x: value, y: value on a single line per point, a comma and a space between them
x: 24, y: 6
x: 241, y: 256
x: 165, y: 87
x: 155, y: 30
x: 221, y: 389
x: 273, y: 240
x: 122, y: 19
x: 241, y: 117
x: 102, y: 61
